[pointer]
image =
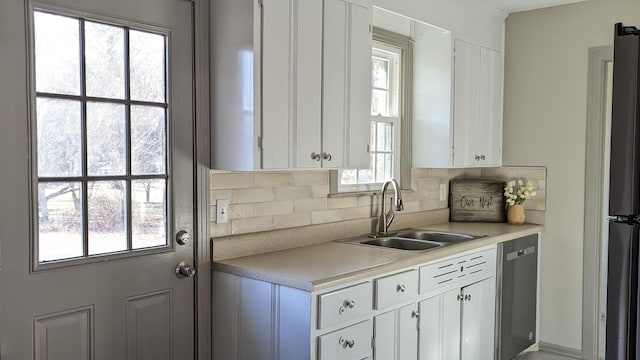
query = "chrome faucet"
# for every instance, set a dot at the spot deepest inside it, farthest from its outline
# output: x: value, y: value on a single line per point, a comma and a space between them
x: 395, y: 203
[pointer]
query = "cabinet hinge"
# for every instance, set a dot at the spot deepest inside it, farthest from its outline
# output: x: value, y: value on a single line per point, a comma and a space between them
x: 368, y: 148
x: 260, y: 3
x: 370, y: 29
x: 259, y: 143
x: 373, y: 342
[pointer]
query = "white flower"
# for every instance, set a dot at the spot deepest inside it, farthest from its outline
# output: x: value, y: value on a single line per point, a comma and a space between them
x: 517, y: 195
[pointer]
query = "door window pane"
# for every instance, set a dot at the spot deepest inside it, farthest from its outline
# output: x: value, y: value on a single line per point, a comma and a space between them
x: 104, y: 56
x: 149, y: 220
x: 106, y: 141
x: 59, y: 220
x: 107, y: 216
x: 59, y: 137
x: 148, y: 66
x: 148, y: 140
x: 101, y: 138
x: 57, y: 53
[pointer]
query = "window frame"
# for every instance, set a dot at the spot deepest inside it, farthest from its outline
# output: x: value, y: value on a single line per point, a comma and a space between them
x: 35, y: 179
x: 402, y: 136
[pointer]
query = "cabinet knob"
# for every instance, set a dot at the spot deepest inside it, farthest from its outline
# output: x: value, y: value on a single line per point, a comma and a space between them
x: 415, y: 314
x: 467, y: 297
x: 346, y: 343
x: 482, y: 157
x: 401, y: 288
x: 477, y: 157
x: 459, y: 297
x: 350, y: 304
x: 315, y: 156
x: 326, y: 156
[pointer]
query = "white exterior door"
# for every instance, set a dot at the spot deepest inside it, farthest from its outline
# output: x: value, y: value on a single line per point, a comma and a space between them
x: 90, y: 210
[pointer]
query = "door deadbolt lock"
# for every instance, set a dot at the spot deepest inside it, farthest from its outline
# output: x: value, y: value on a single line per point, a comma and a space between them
x: 184, y: 270
x: 183, y: 237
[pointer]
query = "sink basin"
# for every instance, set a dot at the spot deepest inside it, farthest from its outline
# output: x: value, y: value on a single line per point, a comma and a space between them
x: 437, y: 236
x: 401, y: 243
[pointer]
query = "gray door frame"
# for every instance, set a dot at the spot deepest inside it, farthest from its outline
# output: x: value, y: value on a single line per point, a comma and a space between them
x: 595, y: 167
x: 202, y: 256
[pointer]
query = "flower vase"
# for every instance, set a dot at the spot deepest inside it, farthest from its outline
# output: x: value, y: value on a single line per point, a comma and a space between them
x: 515, y: 214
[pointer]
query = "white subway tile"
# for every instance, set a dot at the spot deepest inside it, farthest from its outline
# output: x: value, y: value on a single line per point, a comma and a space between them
x: 319, y: 191
x: 254, y: 224
x: 220, y: 230
x: 252, y: 195
x: 293, y: 192
x: 240, y: 211
x: 311, y: 178
x: 309, y: 205
x: 274, y: 208
x: 292, y: 220
x: 326, y: 216
x: 354, y: 213
x: 238, y: 180
x: 273, y: 179
x: 342, y: 202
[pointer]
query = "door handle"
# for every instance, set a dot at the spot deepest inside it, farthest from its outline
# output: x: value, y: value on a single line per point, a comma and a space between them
x: 184, y: 270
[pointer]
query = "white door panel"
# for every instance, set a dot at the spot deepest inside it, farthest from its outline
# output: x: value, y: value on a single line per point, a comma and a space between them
x: 127, y: 306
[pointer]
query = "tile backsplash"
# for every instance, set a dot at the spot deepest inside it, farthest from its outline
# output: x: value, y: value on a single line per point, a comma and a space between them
x: 263, y: 201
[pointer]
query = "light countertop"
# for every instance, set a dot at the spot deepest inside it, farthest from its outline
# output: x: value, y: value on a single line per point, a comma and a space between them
x: 321, y: 266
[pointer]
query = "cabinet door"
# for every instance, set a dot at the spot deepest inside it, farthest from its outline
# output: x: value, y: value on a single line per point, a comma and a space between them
x: 396, y: 334
x: 277, y: 79
x: 478, y: 320
x: 291, y: 83
x: 490, y: 114
x: 439, y: 327
x: 359, y: 122
x: 346, y: 84
x: 466, y: 102
x: 308, y: 84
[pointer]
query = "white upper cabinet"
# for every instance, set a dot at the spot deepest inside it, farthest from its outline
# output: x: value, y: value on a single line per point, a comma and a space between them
x: 291, y: 80
x: 346, y: 90
x: 290, y: 84
x: 477, y: 111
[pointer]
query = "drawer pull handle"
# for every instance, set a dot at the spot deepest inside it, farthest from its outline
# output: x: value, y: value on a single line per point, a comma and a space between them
x: 401, y: 288
x: 346, y: 343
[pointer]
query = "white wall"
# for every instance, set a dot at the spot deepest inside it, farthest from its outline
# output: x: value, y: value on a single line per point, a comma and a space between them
x: 545, y: 107
x: 469, y: 20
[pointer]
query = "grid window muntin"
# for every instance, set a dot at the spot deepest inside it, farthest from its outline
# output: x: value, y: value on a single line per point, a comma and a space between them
x: 84, y: 180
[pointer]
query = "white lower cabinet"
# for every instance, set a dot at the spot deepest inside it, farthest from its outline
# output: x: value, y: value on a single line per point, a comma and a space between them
x: 434, y: 311
x: 478, y: 320
x: 459, y: 323
x: 395, y: 334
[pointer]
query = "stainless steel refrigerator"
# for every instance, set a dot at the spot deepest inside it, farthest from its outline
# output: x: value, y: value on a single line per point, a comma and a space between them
x: 624, y: 198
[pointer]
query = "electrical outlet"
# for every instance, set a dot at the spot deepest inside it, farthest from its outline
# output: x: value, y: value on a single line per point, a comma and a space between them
x: 222, y: 211
x: 443, y: 192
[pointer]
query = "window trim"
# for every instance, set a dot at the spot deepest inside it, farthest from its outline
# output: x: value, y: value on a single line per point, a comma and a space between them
x: 35, y: 264
x: 405, y: 108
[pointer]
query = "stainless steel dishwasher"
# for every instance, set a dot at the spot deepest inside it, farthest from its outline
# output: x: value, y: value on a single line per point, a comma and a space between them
x: 517, y: 294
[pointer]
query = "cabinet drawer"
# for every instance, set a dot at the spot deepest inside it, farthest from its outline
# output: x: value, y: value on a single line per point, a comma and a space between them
x: 353, y: 342
x: 344, y: 304
x: 458, y: 270
x: 396, y: 288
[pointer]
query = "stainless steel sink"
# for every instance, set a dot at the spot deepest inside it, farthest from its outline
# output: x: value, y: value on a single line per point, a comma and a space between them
x: 413, y: 240
x: 402, y: 244
x: 437, y: 236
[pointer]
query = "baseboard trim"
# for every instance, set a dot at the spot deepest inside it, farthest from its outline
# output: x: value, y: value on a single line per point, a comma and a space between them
x: 560, y: 350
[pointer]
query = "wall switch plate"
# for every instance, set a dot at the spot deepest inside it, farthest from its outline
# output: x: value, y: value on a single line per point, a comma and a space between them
x: 222, y: 211
x: 443, y: 192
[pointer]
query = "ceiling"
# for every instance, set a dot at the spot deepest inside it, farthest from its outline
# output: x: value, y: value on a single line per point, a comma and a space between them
x: 511, y: 6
